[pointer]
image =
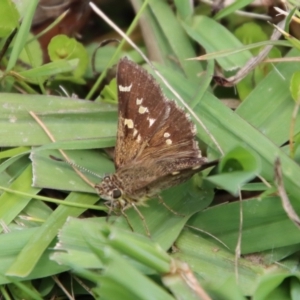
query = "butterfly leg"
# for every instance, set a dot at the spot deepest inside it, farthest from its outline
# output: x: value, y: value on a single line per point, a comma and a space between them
x: 127, y: 219
x: 112, y: 207
x: 109, y: 205
x: 161, y: 200
x: 142, y: 218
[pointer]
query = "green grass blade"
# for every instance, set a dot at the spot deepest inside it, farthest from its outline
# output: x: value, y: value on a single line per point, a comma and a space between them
x: 175, y: 36
x: 22, y: 34
x: 11, y: 204
x: 25, y: 262
x: 12, y: 244
x: 18, y: 128
x: 226, y: 40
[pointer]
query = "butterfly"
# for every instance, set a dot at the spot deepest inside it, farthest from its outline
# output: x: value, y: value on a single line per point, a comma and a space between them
x: 156, y: 147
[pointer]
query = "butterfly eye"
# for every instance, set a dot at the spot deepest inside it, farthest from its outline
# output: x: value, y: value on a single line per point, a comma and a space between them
x: 116, y: 194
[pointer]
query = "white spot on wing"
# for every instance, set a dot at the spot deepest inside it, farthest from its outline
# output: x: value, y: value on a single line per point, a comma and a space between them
x: 129, y: 123
x: 125, y: 88
x: 195, y: 168
x: 187, y: 116
x: 139, y: 101
x: 169, y: 142
x: 143, y: 109
x: 175, y: 173
x: 167, y: 134
x: 134, y: 132
x: 194, y: 129
x: 151, y: 121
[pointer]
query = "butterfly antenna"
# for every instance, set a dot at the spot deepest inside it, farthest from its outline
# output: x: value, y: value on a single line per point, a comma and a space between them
x: 161, y: 201
x: 72, y: 164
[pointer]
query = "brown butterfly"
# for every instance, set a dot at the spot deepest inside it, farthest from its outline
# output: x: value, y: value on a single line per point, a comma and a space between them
x: 155, y: 146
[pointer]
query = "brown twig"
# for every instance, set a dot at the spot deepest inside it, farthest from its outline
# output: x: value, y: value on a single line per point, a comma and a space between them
x: 286, y: 204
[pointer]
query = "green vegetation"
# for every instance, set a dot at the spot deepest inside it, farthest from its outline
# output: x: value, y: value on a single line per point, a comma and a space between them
x: 236, y: 233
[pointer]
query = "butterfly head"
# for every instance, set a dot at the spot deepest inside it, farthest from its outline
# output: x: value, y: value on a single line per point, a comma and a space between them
x: 108, y: 189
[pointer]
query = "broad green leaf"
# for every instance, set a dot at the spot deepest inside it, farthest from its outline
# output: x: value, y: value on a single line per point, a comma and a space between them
x: 236, y: 168
x: 63, y: 177
x: 79, y: 119
x: 12, y: 244
x: 269, y: 106
x: 25, y: 262
x: 62, y: 47
x: 185, y: 9
x: 250, y: 33
x: 11, y: 204
x: 32, y: 54
x: 265, y: 224
x: 269, y: 286
x: 214, y: 266
x: 9, y: 17
x: 45, y: 71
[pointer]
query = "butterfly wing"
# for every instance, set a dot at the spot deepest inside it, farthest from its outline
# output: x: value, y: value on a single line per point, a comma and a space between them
x: 150, y: 126
x: 141, y: 105
x: 155, y: 143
